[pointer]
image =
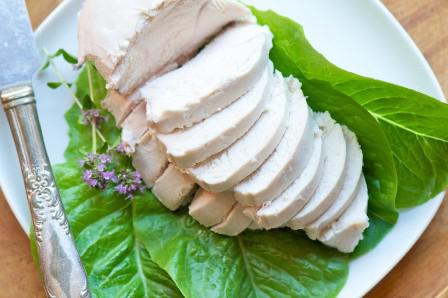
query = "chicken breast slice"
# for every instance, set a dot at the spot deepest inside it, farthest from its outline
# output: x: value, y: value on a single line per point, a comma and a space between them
x: 275, y: 213
x: 251, y: 212
x: 289, y: 158
x: 345, y: 233
x: 210, y: 208
x: 235, y: 223
x: 116, y: 34
x: 174, y: 189
x: 352, y: 176
x: 335, y: 154
x: 187, y: 147
x: 119, y: 106
x: 149, y: 159
x: 134, y: 127
x: 222, y: 72
x: 254, y: 226
x: 224, y: 170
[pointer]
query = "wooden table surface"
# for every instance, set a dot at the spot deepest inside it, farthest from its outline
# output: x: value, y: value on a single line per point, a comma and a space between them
x: 424, y: 270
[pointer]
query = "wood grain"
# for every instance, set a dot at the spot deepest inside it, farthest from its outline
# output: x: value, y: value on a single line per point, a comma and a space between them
x: 422, y: 273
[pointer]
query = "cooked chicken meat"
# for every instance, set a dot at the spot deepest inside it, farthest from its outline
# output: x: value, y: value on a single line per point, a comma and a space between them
x: 289, y: 158
x: 346, y: 232
x: 149, y: 159
x: 224, y: 119
x: 224, y: 170
x: 281, y: 209
x: 174, y: 189
x: 132, y: 41
x: 222, y: 72
x: 235, y: 222
x: 187, y: 147
x: 134, y: 127
x: 335, y: 153
x: 353, y: 172
x: 210, y: 208
x: 119, y: 106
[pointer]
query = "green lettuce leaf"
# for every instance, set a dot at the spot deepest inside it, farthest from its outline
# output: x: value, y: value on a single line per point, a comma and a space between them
x: 415, y: 124
x: 91, y: 84
x: 280, y: 263
x: 122, y: 244
x: 117, y: 264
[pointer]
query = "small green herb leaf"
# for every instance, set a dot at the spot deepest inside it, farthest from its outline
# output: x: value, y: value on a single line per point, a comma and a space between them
x: 90, y: 84
x: 56, y: 85
x: 67, y: 57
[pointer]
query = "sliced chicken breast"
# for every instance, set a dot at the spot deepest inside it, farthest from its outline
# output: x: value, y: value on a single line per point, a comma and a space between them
x: 149, y: 159
x: 235, y: 223
x: 210, y: 208
x: 353, y: 172
x: 224, y: 170
x: 186, y: 147
x: 119, y: 106
x: 289, y: 158
x: 174, y: 189
x: 251, y: 212
x: 134, y: 127
x: 254, y: 226
x: 345, y: 233
x: 275, y: 213
x: 116, y: 34
x: 335, y: 154
x: 221, y: 73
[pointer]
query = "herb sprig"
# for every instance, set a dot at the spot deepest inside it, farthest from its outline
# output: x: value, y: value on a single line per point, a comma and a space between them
x: 106, y: 165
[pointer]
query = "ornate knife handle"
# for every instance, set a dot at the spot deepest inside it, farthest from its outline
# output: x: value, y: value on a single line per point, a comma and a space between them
x: 64, y: 275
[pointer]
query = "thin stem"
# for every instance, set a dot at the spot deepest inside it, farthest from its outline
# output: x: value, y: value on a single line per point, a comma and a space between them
x: 92, y: 96
x: 100, y: 135
x: 89, y: 79
x: 94, y: 138
x: 63, y: 80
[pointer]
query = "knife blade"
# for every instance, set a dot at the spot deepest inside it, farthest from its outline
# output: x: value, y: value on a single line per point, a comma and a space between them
x: 63, y: 273
x: 19, y: 57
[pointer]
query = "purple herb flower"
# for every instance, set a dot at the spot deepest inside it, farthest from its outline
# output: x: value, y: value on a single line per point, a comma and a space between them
x: 110, y: 176
x: 89, y: 179
x: 129, y: 182
x: 97, y: 170
x: 93, y: 116
x: 121, y: 189
x: 121, y: 148
x: 104, y: 158
x: 137, y: 177
x: 101, y: 167
x: 103, y: 171
x: 87, y: 174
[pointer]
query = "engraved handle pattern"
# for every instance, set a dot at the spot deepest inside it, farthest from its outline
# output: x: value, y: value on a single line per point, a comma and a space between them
x: 64, y: 275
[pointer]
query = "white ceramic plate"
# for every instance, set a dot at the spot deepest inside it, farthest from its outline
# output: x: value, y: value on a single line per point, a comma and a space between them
x: 360, y: 36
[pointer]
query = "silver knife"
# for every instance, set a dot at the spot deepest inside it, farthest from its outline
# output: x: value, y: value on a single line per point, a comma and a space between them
x: 63, y: 273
